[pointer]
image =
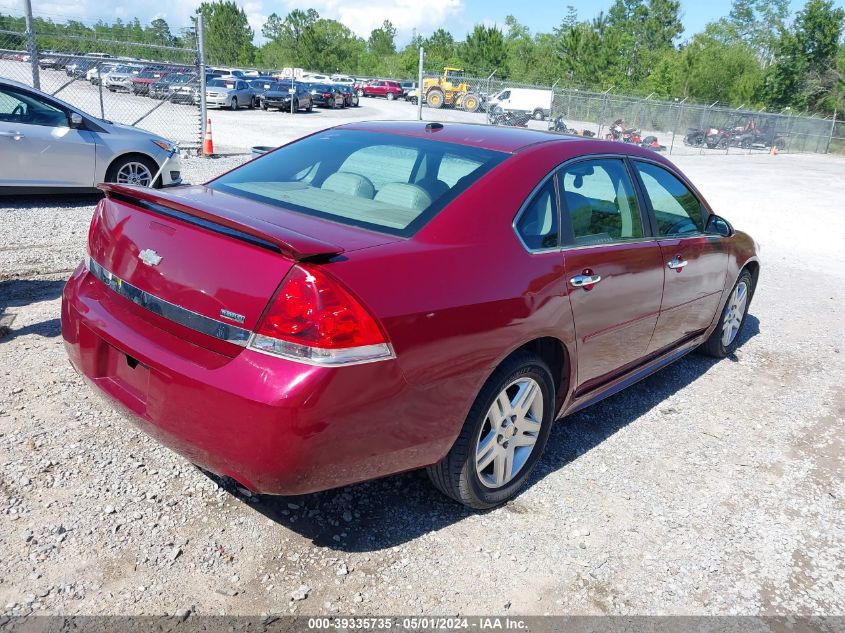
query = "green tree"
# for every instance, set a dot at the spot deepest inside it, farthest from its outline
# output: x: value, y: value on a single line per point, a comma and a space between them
x: 644, y: 29
x: 329, y: 46
x: 756, y: 23
x: 228, y: 36
x: 589, y: 53
x: 484, y: 50
x: 805, y: 73
x: 715, y: 71
x: 159, y: 32
x: 382, y: 40
x: 440, y: 50
x: 285, y: 45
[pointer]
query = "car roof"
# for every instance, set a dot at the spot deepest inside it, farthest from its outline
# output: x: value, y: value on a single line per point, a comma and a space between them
x: 503, y: 139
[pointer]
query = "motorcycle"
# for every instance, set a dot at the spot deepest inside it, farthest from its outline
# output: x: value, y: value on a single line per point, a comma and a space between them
x: 651, y: 142
x: 618, y: 132
x: 508, y: 118
x: 559, y: 125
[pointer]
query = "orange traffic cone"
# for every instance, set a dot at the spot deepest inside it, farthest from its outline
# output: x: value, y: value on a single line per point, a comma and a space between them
x: 207, y: 143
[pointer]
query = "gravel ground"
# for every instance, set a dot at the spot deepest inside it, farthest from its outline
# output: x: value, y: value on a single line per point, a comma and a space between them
x: 708, y: 488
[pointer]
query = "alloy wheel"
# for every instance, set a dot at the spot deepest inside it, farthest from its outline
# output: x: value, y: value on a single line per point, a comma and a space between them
x: 735, y: 313
x: 134, y: 173
x: 509, y: 432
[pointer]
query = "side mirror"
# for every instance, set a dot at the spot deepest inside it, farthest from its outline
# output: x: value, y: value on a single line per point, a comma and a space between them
x: 76, y: 120
x: 717, y: 225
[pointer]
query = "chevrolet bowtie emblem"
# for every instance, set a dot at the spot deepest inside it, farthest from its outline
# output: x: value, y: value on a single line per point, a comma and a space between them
x: 149, y: 257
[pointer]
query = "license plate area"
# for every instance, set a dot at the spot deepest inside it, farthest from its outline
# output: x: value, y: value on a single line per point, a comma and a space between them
x: 128, y: 373
x: 122, y: 375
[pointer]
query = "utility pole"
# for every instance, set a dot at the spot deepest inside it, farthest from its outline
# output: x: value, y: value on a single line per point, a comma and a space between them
x: 31, y: 47
x: 420, y: 84
x: 201, y: 55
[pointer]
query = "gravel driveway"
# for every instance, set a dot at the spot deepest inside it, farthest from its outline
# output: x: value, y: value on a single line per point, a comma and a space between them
x: 710, y: 487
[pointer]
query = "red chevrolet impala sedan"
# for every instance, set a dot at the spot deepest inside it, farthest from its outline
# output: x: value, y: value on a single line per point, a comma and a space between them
x: 380, y: 297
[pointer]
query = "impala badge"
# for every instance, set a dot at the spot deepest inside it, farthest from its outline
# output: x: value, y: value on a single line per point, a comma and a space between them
x: 149, y: 257
x: 233, y: 316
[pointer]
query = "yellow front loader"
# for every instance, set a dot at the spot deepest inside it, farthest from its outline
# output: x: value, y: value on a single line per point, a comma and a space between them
x: 451, y: 90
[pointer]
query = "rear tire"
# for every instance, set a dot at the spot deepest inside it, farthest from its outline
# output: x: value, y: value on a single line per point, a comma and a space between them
x: 490, y: 428
x: 538, y: 114
x: 471, y: 102
x: 724, y: 340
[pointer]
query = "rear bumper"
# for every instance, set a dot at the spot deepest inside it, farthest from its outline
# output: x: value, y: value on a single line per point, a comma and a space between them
x: 276, y: 426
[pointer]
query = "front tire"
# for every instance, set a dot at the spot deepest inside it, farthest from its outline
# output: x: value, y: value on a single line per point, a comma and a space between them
x: 435, y: 98
x: 390, y: 96
x: 724, y: 340
x: 503, y: 436
x: 234, y: 104
x: 133, y: 170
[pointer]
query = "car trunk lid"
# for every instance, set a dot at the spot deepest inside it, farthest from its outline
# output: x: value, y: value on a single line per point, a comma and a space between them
x: 200, y: 264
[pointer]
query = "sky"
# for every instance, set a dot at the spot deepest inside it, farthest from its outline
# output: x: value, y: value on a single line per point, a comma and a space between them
x: 458, y: 16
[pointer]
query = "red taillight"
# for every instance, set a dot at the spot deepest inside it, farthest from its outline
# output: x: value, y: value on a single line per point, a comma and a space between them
x: 314, y: 318
x: 327, y: 94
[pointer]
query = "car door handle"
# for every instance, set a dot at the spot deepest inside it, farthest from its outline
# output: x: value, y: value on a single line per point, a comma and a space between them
x: 677, y: 264
x: 14, y: 135
x: 580, y: 281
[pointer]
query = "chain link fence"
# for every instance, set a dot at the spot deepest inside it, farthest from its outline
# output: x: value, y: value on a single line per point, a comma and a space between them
x: 674, y: 127
x: 151, y: 86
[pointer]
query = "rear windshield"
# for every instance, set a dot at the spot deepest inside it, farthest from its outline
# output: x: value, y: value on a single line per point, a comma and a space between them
x: 393, y: 184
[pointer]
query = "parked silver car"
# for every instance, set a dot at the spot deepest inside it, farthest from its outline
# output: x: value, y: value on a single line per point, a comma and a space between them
x: 51, y: 146
x: 229, y: 93
x: 121, y: 78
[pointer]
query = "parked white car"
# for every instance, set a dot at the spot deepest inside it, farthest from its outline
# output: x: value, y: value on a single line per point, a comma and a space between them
x: 47, y: 145
x: 537, y: 102
x: 93, y: 75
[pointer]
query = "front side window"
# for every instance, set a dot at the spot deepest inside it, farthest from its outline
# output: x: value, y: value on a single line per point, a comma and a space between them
x: 538, y: 223
x: 600, y: 202
x: 677, y: 210
x: 24, y: 108
x: 379, y: 181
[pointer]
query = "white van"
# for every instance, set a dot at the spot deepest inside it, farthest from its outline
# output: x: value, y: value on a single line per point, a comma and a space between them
x: 537, y: 102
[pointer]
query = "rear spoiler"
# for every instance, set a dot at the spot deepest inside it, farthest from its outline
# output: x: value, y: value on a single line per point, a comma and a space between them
x: 225, y: 221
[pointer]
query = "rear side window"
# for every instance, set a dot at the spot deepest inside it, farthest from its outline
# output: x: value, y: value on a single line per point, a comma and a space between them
x: 538, y: 223
x: 677, y: 211
x: 600, y: 202
x: 367, y: 179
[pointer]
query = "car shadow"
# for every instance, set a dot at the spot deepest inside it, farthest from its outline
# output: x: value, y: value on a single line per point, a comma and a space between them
x: 15, y: 293
x: 62, y: 199
x: 381, y: 514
